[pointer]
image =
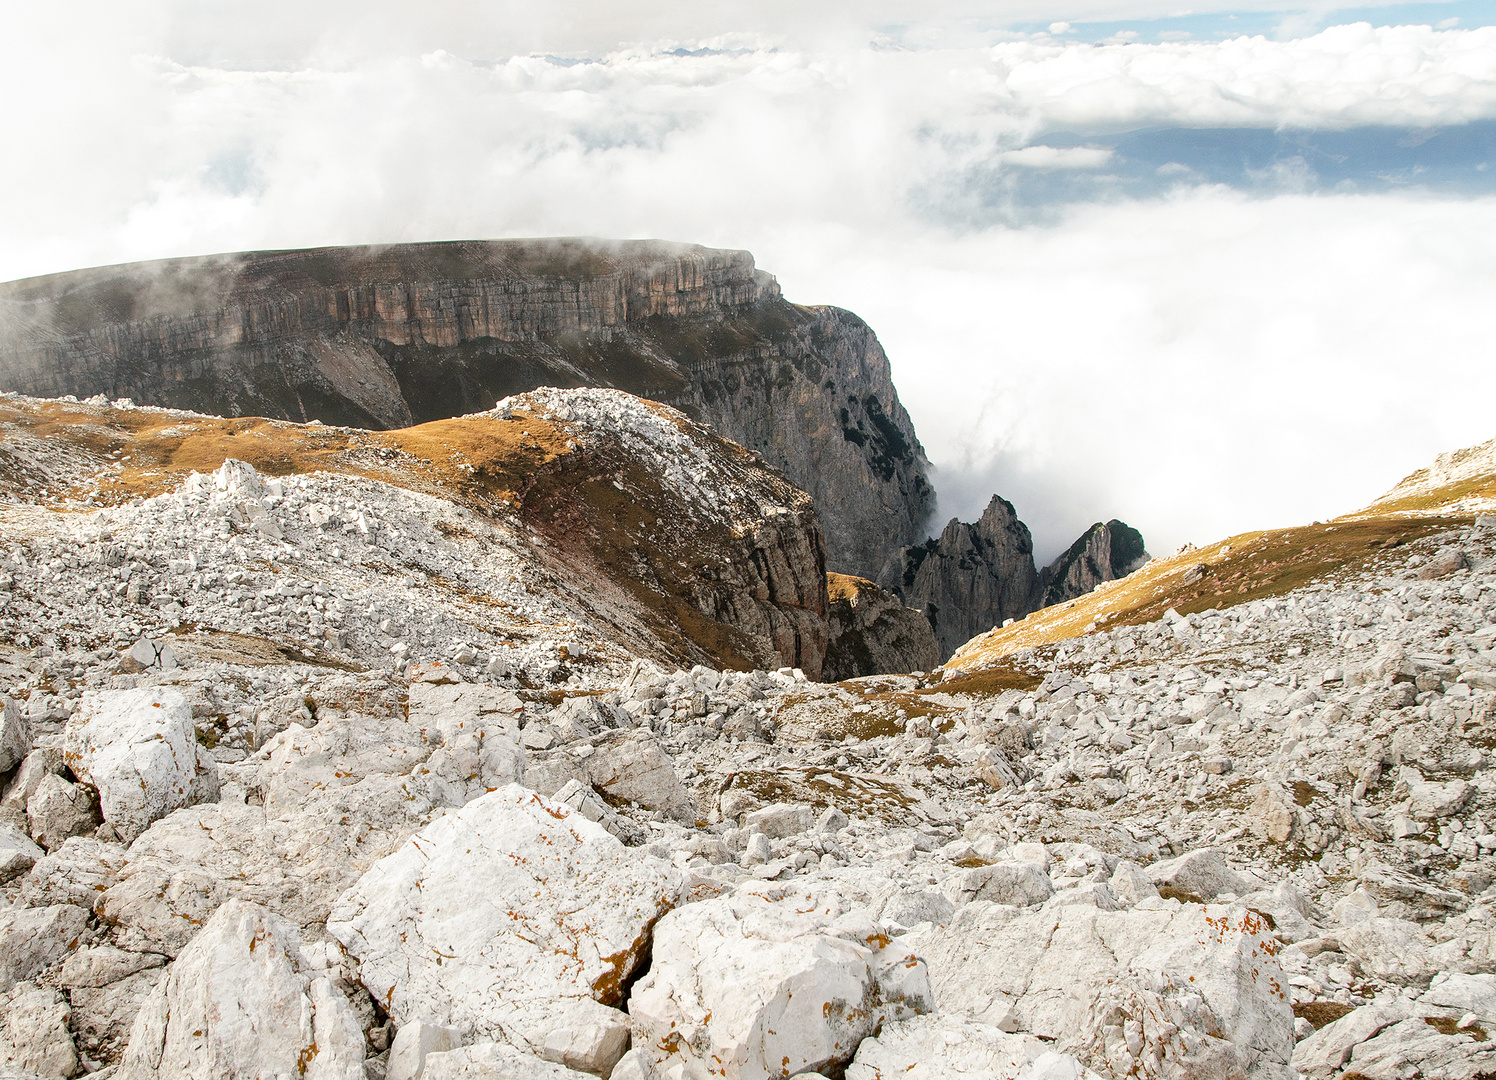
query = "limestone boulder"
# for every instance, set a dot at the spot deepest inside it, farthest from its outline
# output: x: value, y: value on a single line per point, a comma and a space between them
x: 1119, y: 989
x: 18, y: 853
x: 35, y: 1036
x: 494, y: 1061
x: 59, y: 809
x: 32, y: 939
x: 938, y: 1046
x: 769, y: 981
x: 15, y: 736
x: 1204, y: 873
x: 139, y: 750
x: 511, y: 918
x: 242, y: 1000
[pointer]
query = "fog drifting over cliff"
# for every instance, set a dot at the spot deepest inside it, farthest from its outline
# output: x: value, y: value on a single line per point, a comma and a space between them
x: 1198, y: 284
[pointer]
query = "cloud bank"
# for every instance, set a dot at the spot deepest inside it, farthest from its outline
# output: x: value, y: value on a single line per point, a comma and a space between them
x: 1087, y: 310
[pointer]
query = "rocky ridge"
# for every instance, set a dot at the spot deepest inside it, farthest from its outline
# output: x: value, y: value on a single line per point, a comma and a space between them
x: 978, y: 575
x: 404, y: 334
x: 1229, y: 816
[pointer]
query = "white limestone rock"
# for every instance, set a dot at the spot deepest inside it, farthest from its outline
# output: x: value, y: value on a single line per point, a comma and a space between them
x: 240, y: 1001
x: 768, y: 981
x: 1203, y: 872
x: 35, y: 1036
x: 18, y: 853
x: 495, y: 1061
x: 1080, y: 976
x: 508, y: 918
x: 1007, y: 882
x: 15, y: 736
x: 59, y: 810
x: 138, y: 748
x: 38, y: 763
x: 75, y: 873
x: 938, y: 1046
x: 413, y: 1043
x: 32, y: 939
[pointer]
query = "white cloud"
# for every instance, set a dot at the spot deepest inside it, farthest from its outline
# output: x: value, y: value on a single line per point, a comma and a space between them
x: 1039, y: 156
x: 1175, y: 363
x: 1197, y: 367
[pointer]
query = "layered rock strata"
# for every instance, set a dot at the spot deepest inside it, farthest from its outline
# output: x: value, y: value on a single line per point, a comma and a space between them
x: 386, y: 337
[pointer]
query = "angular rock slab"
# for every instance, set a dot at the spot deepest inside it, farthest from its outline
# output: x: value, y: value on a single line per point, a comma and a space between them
x: 139, y: 749
x: 936, y: 1047
x: 1178, y: 990
x: 510, y: 918
x: 240, y: 1002
x: 769, y: 982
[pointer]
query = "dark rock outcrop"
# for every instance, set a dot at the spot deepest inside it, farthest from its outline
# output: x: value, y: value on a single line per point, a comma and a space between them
x: 873, y: 633
x: 975, y: 576
x: 386, y: 337
x: 1104, y: 553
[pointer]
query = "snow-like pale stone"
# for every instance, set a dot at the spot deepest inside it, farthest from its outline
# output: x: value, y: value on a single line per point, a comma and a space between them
x: 34, y: 1037
x: 1007, y: 882
x: 37, y: 764
x: 495, y: 1061
x: 139, y: 749
x: 413, y: 1042
x: 939, y: 1046
x: 1079, y: 976
x: 506, y: 919
x: 1205, y: 873
x: 769, y: 981
x: 239, y: 1002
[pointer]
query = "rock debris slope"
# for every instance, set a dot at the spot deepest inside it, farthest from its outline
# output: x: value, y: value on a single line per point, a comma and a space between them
x: 458, y: 804
x: 408, y: 333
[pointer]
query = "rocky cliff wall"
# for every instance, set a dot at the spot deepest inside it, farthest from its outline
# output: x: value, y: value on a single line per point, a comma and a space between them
x: 387, y: 337
x: 873, y: 633
x: 976, y: 575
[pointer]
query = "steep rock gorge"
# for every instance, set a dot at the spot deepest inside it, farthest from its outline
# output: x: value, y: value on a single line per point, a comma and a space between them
x: 383, y: 337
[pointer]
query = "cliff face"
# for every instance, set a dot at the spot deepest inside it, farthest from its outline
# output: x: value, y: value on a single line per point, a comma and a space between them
x: 975, y: 576
x: 1106, y: 552
x: 387, y: 337
x: 971, y: 578
x: 873, y: 633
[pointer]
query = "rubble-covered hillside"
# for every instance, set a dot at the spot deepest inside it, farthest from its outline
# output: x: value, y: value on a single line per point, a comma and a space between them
x: 327, y: 774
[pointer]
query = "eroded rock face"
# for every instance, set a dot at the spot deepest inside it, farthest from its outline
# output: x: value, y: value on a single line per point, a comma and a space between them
x: 698, y: 534
x: 873, y: 633
x: 513, y: 918
x: 1117, y: 987
x: 770, y: 982
x: 971, y: 578
x: 139, y: 750
x: 241, y: 1000
x: 975, y: 576
x: 1104, y: 553
x: 386, y: 337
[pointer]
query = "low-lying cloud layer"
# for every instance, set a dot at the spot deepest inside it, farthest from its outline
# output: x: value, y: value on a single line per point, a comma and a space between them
x: 1189, y: 284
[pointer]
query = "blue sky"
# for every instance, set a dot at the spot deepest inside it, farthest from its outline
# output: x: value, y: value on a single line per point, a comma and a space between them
x: 1181, y: 269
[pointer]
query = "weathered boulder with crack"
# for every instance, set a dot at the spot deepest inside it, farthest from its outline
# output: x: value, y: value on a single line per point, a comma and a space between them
x: 1167, y: 989
x: 242, y: 1000
x: 389, y: 336
x: 873, y: 633
x: 513, y: 918
x: 771, y: 981
x: 138, y: 748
